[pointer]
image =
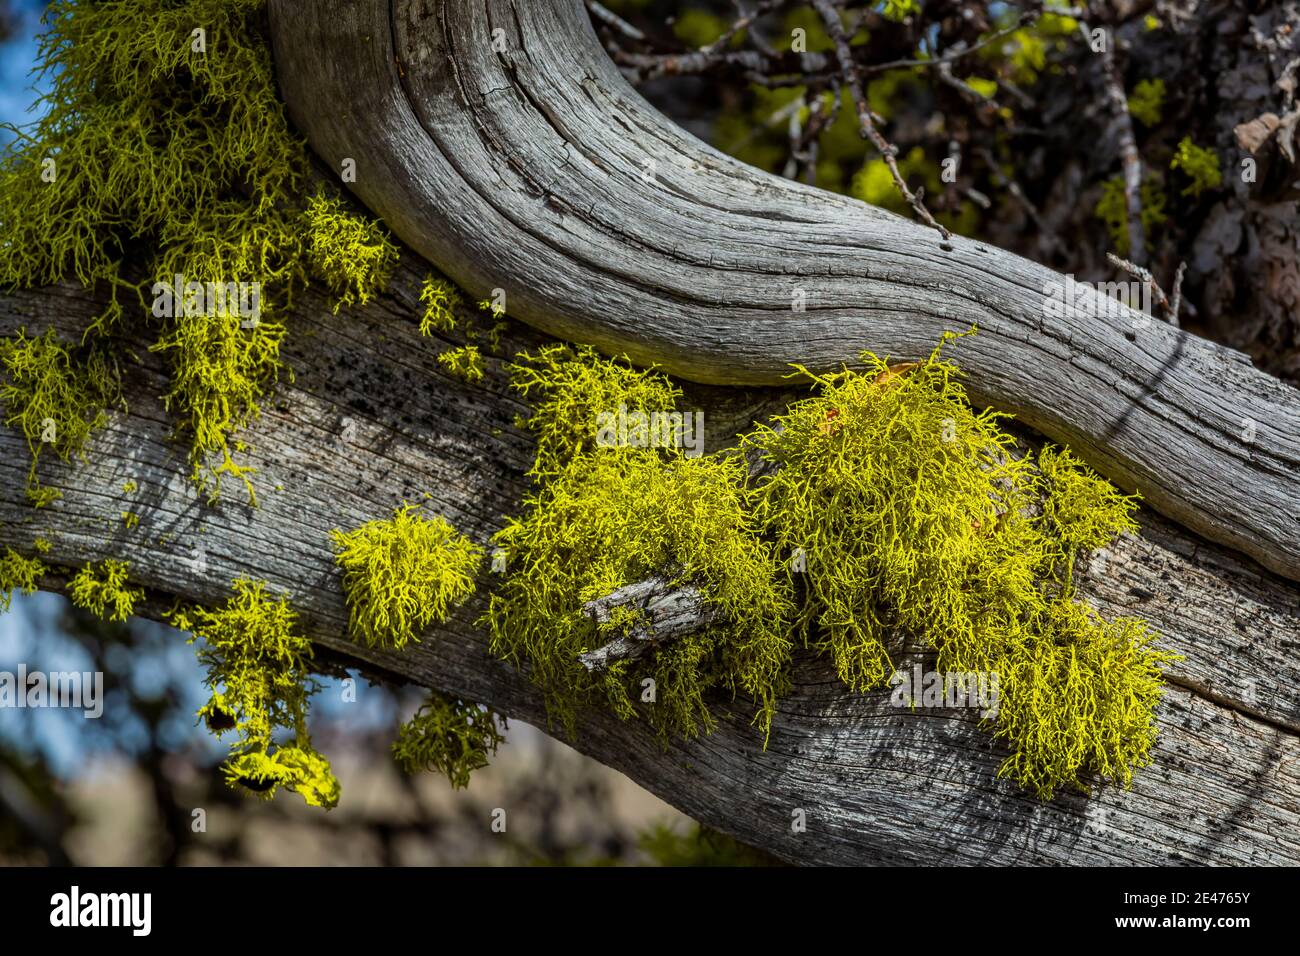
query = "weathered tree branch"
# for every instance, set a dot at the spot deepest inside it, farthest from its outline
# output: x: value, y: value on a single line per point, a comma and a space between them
x: 372, y: 420
x: 499, y: 141
x: 667, y: 612
x: 525, y: 173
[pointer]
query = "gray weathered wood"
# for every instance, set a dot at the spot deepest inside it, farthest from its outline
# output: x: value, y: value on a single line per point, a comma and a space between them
x: 499, y: 141
x: 668, y: 612
x: 371, y: 419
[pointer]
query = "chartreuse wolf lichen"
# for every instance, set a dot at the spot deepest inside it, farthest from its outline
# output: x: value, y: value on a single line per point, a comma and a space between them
x: 402, y: 573
x: 888, y: 507
x: 55, y: 398
x: 164, y: 152
x: 259, y: 673
x: 604, y: 517
x: 18, y: 574
x: 104, y: 590
x: 451, y: 736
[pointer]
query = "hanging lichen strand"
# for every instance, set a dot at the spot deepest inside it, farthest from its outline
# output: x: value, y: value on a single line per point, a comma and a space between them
x: 164, y: 169
x: 889, y: 504
x: 259, y: 672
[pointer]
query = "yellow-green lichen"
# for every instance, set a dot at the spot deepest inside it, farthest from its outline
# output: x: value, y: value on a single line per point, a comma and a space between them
x: 258, y: 670
x: 450, y: 736
x: 1200, y: 165
x: 466, y: 363
x: 1112, y: 209
x: 18, y: 574
x: 104, y: 591
x: 354, y: 255
x: 889, y: 507
x: 601, y: 518
x: 441, y: 300
x: 1147, y: 101
x: 163, y: 151
x: 402, y: 574
x: 55, y: 398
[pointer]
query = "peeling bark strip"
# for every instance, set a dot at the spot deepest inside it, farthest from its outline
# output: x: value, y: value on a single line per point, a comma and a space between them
x: 667, y: 612
x: 512, y: 154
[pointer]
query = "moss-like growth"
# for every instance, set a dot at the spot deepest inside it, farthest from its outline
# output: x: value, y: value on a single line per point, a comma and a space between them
x: 440, y: 300
x: 890, y: 506
x: 164, y: 151
x: 353, y: 255
x: 605, y: 517
x: 451, y: 736
x: 104, y: 591
x: 1112, y: 209
x: 18, y: 574
x: 1200, y: 165
x: 916, y: 516
x: 1147, y: 101
x: 466, y: 363
x: 259, y: 673
x: 53, y: 397
x: 403, y: 573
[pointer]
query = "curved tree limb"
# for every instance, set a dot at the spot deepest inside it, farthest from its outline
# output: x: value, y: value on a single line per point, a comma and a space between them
x: 372, y: 420
x: 498, y: 140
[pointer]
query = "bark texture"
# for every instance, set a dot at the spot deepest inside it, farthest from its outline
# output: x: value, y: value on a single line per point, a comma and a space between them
x: 499, y: 141
x: 371, y: 420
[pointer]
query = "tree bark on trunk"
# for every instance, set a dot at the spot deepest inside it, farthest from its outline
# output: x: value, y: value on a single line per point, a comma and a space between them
x: 371, y: 421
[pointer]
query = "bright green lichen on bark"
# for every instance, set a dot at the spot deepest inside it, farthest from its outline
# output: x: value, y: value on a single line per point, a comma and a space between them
x: 402, y: 574
x: 1112, y: 209
x: 1147, y: 101
x: 1201, y: 166
x: 259, y: 673
x: 164, y: 151
x: 104, y: 591
x: 604, y: 517
x: 466, y: 363
x: 53, y: 397
x: 18, y: 574
x: 441, y: 299
x: 889, y: 506
x: 912, y: 514
x: 450, y: 736
x: 354, y: 255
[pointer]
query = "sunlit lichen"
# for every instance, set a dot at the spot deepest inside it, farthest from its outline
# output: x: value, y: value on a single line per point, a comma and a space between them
x: 466, y: 363
x: 403, y: 573
x: 604, y: 517
x: 104, y: 591
x: 18, y: 574
x: 1199, y: 164
x: 1112, y: 209
x: 450, y: 736
x: 440, y: 300
x: 352, y: 254
x: 258, y: 668
x: 54, y: 398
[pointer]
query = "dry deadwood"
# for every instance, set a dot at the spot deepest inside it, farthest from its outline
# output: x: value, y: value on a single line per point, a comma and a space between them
x: 500, y: 142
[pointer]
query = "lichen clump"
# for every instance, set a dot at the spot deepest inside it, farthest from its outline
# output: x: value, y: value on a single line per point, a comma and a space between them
x: 600, y: 518
x: 164, y: 153
x: 259, y: 672
x: 104, y: 590
x: 887, y: 507
x: 448, y: 735
x: 18, y: 574
x: 54, y: 397
x: 403, y: 573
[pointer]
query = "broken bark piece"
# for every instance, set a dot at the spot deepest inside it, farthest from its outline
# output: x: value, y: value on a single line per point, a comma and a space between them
x: 666, y: 612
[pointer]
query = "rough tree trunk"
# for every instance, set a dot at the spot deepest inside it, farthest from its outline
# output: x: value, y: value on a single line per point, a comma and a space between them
x: 371, y: 421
